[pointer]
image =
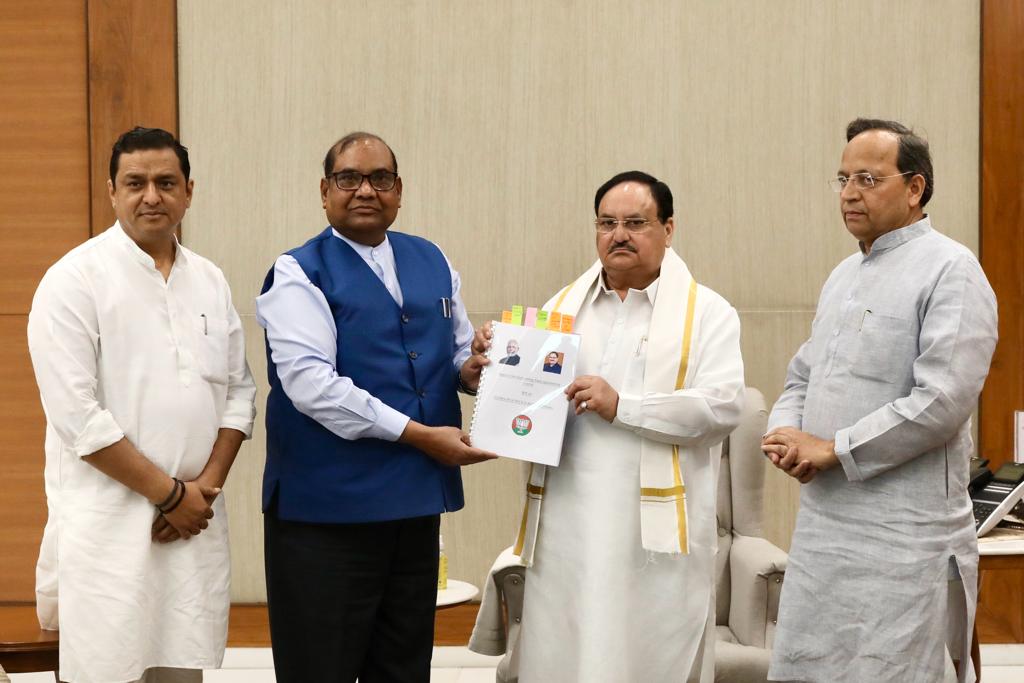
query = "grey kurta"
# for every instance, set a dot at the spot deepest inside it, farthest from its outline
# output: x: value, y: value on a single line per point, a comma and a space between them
x: 899, y: 350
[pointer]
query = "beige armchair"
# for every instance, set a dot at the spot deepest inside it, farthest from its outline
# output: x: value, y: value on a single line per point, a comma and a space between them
x: 749, y: 570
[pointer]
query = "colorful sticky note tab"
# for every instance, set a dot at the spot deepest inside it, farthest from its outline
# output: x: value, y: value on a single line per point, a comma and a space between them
x: 567, y: 321
x: 542, y: 320
x: 531, y: 317
x: 555, y: 321
x: 517, y: 314
x: 506, y: 316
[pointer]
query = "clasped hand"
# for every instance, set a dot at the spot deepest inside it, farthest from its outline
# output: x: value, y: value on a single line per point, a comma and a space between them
x: 798, y: 454
x: 190, y: 517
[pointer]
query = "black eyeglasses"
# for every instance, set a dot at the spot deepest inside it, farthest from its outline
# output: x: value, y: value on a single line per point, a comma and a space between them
x: 380, y: 180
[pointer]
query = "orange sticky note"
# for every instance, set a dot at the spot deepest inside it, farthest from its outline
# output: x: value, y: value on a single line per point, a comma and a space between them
x: 555, y: 321
x: 567, y: 321
x: 506, y: 316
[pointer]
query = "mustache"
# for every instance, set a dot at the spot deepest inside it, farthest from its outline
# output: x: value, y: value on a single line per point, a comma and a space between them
x: 622, y: 245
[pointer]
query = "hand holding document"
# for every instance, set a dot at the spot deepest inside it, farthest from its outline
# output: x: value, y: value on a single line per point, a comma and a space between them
x: 521, y: 407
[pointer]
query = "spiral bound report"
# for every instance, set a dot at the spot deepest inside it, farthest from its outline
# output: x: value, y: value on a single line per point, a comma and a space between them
x: 521, y: 409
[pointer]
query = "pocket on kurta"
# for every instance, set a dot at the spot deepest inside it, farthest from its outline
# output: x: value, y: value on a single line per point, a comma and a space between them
x: 886, y: 349
x: 213, y: 350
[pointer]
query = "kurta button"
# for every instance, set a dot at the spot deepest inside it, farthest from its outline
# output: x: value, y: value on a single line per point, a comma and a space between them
x: 405, y: 318
x: 413, y: 355
x: 422, y: 393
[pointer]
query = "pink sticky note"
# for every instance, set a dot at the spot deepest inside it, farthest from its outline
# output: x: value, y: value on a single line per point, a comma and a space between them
x: 531, y: 317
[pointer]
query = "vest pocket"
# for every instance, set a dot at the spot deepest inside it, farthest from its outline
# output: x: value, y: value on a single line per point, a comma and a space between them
x: 212, y: 349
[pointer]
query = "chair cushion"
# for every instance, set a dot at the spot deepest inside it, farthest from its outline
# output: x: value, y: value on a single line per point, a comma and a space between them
x: 747, y: 466
x: 723, y: 577
x: 736, y: 663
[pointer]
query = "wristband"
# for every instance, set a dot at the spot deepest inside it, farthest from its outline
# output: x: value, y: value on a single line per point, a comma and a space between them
x: 464, y: 389
x: 170, y: 496
x: 179, y: 487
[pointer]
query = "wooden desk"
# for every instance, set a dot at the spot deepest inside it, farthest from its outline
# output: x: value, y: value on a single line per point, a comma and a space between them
x: 1001, y: 592
x: 24, y: 647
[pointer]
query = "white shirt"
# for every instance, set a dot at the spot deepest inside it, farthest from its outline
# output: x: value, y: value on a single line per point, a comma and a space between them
x: 304, y: 345
x: 120, y: 352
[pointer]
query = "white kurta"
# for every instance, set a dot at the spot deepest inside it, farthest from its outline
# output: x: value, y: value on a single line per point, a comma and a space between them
x: 120, y: 352
x: 598, y: 607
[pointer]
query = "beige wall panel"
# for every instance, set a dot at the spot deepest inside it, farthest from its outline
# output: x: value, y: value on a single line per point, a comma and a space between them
x: 769, y: 340
x: 505, y: 118
x: 244, y: 485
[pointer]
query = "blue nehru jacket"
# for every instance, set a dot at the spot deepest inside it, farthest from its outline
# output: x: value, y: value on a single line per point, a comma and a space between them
x: 404, y: 357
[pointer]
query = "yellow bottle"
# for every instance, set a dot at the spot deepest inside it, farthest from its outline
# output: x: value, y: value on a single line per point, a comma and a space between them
x: 442, y: 565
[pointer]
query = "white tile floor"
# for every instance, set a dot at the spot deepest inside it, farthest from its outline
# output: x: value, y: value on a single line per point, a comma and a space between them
x: 1001, y: 664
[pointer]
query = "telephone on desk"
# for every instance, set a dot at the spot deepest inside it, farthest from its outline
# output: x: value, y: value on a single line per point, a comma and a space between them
x: 994, y: 495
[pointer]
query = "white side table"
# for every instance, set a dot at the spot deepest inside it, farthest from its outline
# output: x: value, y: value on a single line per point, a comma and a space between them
x: 456, y: 593
x: 1009, y: 546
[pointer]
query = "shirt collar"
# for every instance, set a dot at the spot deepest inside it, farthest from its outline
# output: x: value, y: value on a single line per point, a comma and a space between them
x: 651, y: 291
x: 117, y: 233
x: 895, y: 238
x: 367, y: 252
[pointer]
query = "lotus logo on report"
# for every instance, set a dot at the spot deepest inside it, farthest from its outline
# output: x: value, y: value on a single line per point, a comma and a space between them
x: 522, y: 425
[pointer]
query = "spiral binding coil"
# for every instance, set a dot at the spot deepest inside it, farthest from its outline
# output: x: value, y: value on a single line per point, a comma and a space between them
x: 480, y: 387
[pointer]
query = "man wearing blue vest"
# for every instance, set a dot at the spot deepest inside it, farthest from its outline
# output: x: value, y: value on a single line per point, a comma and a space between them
x: 367, y: 344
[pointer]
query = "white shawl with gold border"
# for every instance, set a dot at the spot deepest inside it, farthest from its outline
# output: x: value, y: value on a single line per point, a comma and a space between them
x: 663, y: 517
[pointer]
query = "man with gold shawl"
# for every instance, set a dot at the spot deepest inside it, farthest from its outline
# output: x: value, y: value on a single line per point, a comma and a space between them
x: 620, y: 538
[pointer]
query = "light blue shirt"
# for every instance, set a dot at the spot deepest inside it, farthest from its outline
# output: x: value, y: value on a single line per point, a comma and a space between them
x: 304, y: 342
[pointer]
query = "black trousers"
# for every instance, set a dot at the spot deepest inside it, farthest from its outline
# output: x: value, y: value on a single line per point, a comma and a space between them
x: 351, y: 601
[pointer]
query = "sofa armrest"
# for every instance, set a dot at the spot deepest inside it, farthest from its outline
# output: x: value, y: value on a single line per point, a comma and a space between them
x: 756, y: 571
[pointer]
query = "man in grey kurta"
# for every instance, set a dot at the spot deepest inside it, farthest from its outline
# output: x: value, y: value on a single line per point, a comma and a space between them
x: 874, y: 421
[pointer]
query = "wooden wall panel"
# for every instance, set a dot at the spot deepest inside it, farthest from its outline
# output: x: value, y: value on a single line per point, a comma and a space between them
x: 44, y: 146
x: 44, y: 212
x: 1001, y: 596
x: 73, y: 75
x: 1002, y: 215
x: 132, y: 81
x: 22, y: 501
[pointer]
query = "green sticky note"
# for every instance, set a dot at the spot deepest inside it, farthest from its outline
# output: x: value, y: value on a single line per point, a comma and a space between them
x: 542, y: 320
x: 517, y: 314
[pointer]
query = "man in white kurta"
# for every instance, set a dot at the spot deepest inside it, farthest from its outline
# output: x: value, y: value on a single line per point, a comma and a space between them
x: 621, y: 552
x: 139, y: 357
